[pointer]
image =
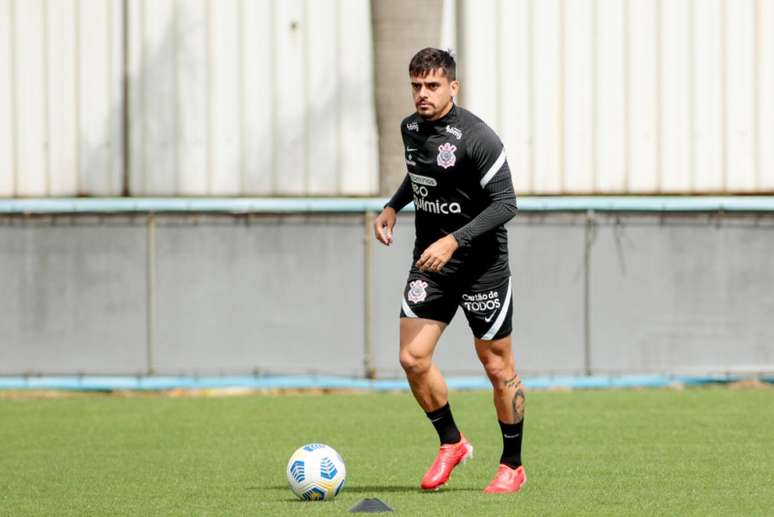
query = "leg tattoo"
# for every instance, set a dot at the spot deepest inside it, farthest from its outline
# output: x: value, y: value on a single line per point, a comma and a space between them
x: 518, y: 398
x: 512, y: 382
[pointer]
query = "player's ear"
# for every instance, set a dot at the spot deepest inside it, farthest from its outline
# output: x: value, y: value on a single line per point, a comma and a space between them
x: 454, y: 86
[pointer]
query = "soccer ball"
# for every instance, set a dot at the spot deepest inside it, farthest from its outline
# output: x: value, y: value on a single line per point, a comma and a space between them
x: 316, y: 472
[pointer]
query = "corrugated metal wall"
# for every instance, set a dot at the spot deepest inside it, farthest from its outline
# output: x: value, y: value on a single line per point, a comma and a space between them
x: 226, y: 97
x: 275, y: 97
x: 60, y: 97
x: 625, y: 96
x: 262, y: 97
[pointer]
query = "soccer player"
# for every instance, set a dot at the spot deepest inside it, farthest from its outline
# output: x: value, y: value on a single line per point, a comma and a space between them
x: 460, y: 183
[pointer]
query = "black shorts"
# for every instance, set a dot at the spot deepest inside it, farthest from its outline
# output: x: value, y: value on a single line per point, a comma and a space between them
x: 485, y: 297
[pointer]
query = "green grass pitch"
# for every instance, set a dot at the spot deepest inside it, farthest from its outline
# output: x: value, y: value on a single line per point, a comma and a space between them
x: 652, y: 452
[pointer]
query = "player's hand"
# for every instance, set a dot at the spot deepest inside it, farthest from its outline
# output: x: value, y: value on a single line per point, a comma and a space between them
x: 383, y: 225
x: 435, y: 257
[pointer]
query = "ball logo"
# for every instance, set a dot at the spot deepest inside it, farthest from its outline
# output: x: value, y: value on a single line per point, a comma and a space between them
x: 327, y: 468
x: 417, y: 291
x: 446, y: 156
x: 297, y: 471
x: 315, y: 494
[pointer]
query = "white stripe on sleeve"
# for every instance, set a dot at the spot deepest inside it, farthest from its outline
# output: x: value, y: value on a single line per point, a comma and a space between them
x: 493, y: 169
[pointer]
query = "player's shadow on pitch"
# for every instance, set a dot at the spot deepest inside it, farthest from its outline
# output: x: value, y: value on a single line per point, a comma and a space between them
x: 407, y: 488
x: 384, y: 488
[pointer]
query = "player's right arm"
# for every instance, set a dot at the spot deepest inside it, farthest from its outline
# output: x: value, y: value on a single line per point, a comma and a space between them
x: 384, y: 222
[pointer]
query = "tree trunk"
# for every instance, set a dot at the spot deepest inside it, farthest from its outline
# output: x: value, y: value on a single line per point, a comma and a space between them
x: 400, y: 29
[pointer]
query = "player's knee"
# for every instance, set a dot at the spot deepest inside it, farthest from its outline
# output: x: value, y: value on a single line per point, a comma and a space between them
x: 412, y: 364
x: 497, y: 369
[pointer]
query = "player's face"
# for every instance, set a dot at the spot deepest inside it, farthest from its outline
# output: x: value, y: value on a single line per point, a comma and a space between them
x: 433, y: 94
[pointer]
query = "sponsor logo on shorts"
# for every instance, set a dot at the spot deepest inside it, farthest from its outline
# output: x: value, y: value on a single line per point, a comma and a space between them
x: 417, y: 291
x: 482, y: 302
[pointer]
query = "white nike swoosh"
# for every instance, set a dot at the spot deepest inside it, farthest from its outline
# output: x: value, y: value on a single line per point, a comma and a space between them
x: 409, y: 149
x: 437, y: 419
x: 514, y: 436
x: 490, y: 317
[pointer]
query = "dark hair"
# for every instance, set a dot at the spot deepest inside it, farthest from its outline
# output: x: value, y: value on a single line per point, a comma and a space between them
x: 431, y: 58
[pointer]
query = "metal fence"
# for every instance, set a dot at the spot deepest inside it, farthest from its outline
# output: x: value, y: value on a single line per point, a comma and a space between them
x: 217, y: 286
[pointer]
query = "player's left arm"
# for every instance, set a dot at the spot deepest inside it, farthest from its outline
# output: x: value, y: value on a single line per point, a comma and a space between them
x: 488, y: 155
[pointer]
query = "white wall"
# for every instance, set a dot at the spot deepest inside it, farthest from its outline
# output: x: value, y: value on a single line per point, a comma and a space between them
x: 60, y: 97
x: 275, y: 97
x: 625, y: 96
x: 226, y: 97
x: 262, y: 97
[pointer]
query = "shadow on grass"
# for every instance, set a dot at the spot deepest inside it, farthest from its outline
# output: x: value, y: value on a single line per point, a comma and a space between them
x: 412, y: 488
x: 382, y: 488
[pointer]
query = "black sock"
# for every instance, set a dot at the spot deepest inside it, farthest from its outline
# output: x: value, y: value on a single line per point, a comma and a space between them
x: 512, y: 434
x: 443, y: 421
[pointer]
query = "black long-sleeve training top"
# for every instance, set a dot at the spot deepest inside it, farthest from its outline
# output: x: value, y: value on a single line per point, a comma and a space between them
x: 459, y: 180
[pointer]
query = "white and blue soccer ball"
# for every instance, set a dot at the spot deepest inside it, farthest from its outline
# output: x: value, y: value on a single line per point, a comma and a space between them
x: 316, y: 472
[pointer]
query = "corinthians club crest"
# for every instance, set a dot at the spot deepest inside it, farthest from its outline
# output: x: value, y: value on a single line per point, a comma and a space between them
x: 417, y: 292
x: 446, y: 156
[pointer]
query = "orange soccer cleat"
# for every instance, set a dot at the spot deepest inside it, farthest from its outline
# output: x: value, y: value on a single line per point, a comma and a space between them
x: 507, y: 480
x: 450, y: 455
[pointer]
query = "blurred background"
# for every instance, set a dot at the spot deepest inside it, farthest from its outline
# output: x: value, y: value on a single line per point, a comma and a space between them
x: 187, y: 186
